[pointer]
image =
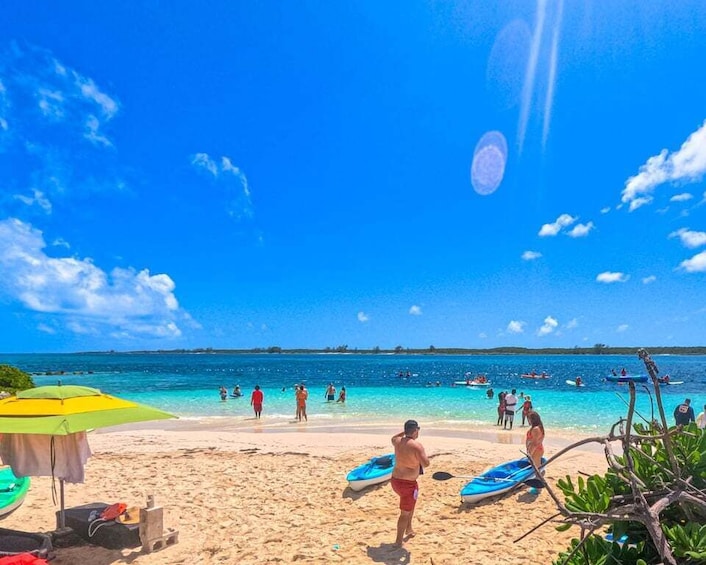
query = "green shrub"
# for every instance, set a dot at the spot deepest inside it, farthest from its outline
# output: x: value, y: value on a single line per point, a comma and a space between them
x: 13, y: 379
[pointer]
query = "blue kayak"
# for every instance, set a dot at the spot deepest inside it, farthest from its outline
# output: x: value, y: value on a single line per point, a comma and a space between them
x: 498, y: 480
x: 377, y: 470
x: 626, y: 378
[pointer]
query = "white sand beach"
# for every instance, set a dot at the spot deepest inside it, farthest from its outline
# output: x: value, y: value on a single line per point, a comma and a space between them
x: 262, y: 495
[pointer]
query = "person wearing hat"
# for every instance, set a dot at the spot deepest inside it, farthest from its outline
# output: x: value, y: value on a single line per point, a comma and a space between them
x: 410, y: 461
x: 526, y: 409
x: 684, y: 413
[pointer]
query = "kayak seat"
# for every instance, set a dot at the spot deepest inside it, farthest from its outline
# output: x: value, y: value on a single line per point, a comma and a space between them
x: 383, y: 462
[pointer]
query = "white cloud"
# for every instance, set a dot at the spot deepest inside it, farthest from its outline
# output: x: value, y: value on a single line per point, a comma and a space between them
x: 622, y: 328
x: 638, y: 202
x: 415, y: 310
x: 649, y: 279
x: 88, y: 299
x: 554, y: 228
x: 605, y: 210
x: 688, y: 164
x: 37, y: 198
x: 689, y: 238
x: 230, y: 180
x: 581, y: 230
x: 46, y: 329
x: 697, y: 264
x: 571, y: 324
x: 483, y: 335
x: 42, y: 101
x: 610, y: 277
x: 683, y: 197
x: 531, y: 255
x: 550, y: 324
x: 203, y: 161
x: 516, y: 327
x: 362, y: 317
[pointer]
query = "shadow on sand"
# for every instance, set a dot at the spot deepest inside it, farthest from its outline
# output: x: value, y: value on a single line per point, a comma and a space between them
x: 389, y: 554
x: 348, y: 492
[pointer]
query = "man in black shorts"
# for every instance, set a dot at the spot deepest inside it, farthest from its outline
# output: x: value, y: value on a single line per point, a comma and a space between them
x: 510, y: 405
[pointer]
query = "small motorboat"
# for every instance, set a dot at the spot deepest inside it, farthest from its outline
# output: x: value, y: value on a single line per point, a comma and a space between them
x: 376, y: 471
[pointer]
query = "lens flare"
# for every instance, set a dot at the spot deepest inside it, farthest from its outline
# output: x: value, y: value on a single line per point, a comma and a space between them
x: 488, y: 166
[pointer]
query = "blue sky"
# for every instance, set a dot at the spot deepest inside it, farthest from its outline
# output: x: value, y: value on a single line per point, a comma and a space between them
x: 317, y: 174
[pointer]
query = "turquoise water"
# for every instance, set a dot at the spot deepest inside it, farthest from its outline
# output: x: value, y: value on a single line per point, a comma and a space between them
x: 187, y: 385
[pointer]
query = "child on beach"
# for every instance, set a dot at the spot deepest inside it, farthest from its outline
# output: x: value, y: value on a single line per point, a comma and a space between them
x: 535, y: 438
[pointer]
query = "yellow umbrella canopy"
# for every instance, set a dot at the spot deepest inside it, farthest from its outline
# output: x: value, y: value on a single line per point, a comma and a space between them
x: 67, y: 409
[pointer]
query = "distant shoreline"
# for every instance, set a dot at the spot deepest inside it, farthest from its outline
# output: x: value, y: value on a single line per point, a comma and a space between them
x: 596, y: 350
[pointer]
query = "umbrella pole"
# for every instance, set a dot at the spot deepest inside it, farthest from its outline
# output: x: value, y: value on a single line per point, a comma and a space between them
x: 62, y: 517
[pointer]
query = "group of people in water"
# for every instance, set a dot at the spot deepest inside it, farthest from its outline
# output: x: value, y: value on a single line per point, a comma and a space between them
x: 509, y: 404
x: 301, y: 395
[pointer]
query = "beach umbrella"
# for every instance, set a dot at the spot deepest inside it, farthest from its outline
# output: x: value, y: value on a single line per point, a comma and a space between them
x: 44, y: 429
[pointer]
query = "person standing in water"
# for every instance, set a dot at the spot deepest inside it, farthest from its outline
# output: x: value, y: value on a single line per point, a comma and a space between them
x: 510, y: 404
x: 526, y: 409
x: 301, y: 395
x: 342, y: 395
x: 410, y: 461
x: 330, y: 393
x: 256, y: 400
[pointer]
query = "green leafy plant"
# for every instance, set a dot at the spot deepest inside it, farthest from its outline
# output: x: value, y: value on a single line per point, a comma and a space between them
x: 13, y: 379
x: 653, y: 493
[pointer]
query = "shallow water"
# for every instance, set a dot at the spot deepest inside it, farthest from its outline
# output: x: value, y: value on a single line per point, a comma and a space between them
x: 187, y: 385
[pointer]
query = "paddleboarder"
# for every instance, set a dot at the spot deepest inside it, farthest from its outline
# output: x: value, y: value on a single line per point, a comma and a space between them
x: 410, y: 461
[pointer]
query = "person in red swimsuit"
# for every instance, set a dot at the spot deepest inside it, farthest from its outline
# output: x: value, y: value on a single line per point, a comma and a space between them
x: 410, y: 461
x: 256, y: 401
x: 535, y: 439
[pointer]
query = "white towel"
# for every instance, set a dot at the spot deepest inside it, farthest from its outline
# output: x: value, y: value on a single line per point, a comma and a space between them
x: 30, y: 455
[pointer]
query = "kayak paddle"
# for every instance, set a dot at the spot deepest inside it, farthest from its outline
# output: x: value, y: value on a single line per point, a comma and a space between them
x: 444, y: 476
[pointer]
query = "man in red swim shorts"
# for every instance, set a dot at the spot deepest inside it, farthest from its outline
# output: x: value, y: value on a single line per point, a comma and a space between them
x: 410, y: 461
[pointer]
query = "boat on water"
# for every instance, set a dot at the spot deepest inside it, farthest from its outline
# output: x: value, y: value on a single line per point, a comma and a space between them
x: 535, y: 376
x: 12, y: 491
x: 472, y: 383
x: 626, y: 378
x: 376, y: 471
x: 498, y: 480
